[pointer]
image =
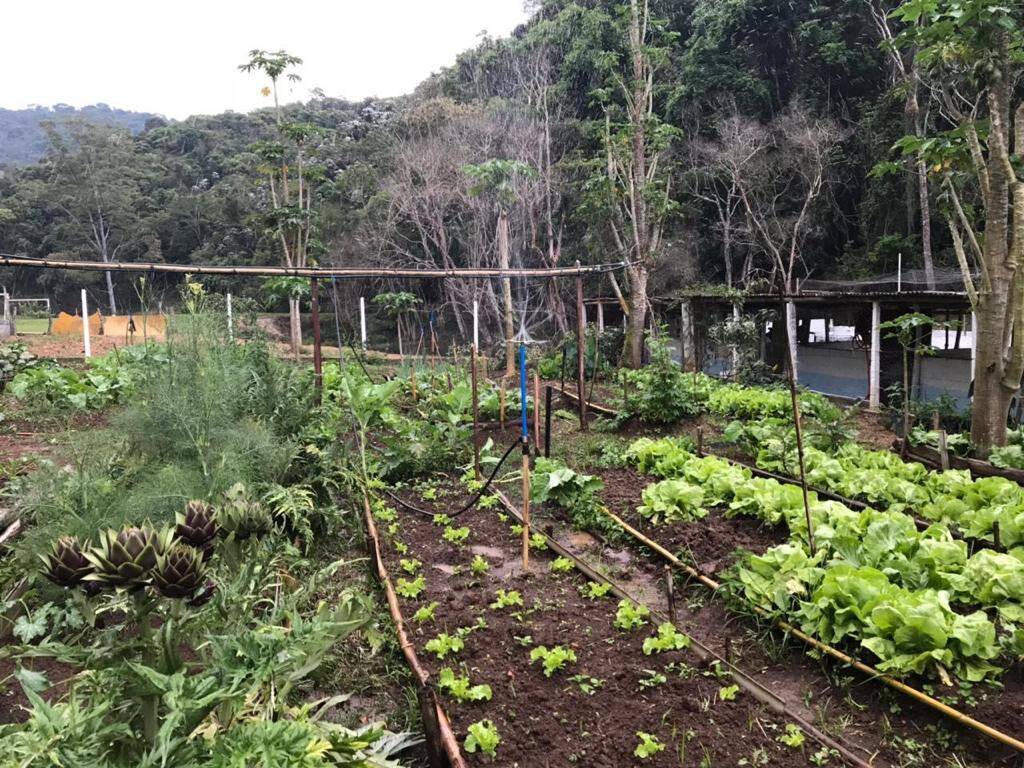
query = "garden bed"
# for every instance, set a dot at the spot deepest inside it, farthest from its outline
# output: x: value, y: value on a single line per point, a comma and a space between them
x: 590, y: 712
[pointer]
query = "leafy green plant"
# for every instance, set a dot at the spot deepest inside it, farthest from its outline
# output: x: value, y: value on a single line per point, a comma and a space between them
x: 509, y: 599
x: 793, y: 736
x: 630, y: 615
x: 593, y: 590
x: 444, y: 645
x: 538, y: 542
x: 588, y: 685
x: 458, y: 687
x: 728, y: 692
x: 658, y: 393
x: 410, y: 565
x: 672, y: 501
x: 561, y: 565
x: 410, y: 588
x: 648, y: 747
x: 479, y: 565
x: 552, y: 659
x: 668, y: 638
x: 456, y: 536
x: 483, y: 736
x: 425, y: 614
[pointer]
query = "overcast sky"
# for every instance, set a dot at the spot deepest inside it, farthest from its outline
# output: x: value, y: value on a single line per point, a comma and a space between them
x: 181, y: 58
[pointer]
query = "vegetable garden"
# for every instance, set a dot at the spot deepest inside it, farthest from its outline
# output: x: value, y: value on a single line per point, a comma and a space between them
x: 229, y: 566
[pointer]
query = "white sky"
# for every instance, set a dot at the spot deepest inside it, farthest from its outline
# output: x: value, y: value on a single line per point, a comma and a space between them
x: 181, y: 58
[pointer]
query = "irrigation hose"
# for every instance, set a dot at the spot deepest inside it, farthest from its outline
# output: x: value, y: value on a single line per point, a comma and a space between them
x: 472, y: 502
x: 835, y: 653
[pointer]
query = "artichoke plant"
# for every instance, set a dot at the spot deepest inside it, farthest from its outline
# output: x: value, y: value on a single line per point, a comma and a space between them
x: 197, y: 526
x: 127, y: 557
x: 179, y: 571
x: 241, y: 516
x: 66, y: 564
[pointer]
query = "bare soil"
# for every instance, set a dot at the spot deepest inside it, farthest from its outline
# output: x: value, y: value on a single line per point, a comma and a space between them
x: 552, y: 721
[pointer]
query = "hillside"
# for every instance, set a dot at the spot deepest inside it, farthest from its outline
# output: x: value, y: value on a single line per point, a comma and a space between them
x: 23, y: 141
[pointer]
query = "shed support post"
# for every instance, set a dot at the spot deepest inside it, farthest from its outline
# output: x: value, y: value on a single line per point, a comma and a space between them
x: 735, y: 348
x: 791, y: 334
x: 875, y: 366
x: 581, y: 346
x: 318, y: 368
x: 600, y: 316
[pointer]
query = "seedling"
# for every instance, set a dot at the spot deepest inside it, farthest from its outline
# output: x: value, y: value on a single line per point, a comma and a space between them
x: 507, y: 599
x: 593, y: 590
x: 410, y: 566
x: 445, y: 644
x: 653, y: 679
x: 442, y: 520
x: 429, y: 494
x: 400, y: 547
x: 524, y: 640
x: 793, y: 737
x: 393, y: 529
x: 648, y: 747
x: 410, y: 588
x: 728, y: 692
x: 459, y: 688
x: 385, y: 514
x: 425, y: 614
x: 479, y: 566
x: 630, y: 615
x: 456, y: 536
x: 483, y: 736
x: 561, y: 565
x: 554, y: 659
x: 516, y: 528
x: 587, y: 684
x: 538, y: 542
x: 668, y: 638
x: 486, y: 502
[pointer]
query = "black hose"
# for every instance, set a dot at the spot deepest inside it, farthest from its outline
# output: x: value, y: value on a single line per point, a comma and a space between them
x: 472, y: 502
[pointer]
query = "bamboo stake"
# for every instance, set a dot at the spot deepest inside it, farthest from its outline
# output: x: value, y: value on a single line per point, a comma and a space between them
x: 476, y: 413
x: 581, y: 338
x: 795, y: 397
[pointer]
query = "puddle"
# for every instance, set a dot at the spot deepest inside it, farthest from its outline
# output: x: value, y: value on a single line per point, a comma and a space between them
x: 491, y: 553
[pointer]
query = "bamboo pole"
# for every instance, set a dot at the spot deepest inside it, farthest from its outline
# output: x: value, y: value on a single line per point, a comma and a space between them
x: 318, y: 363
x: 795, y: 398
x: 581, y: 338
x: 476, y: 411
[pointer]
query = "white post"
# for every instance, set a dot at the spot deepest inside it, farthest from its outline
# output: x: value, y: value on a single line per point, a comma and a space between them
x: 974, y: 343
x: 600, y: 316
x: 899, y: 272
x: 791, y: 333
x: 362, y: 321
x: 736, y: 349
x: 875, y: 366
x: 85, y: 324
x: 476, y: 325
x: 231, y: 322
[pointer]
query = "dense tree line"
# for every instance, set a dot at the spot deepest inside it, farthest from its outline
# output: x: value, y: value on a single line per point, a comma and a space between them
x: 744, y: 142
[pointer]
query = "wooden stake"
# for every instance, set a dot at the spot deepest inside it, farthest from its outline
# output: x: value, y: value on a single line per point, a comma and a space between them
x: 501, y: 403
x: 670, y: 593
x: 700, y: 441
x: 547, y: 422
x: 476, y: 413
x: 318, y: 362
x: 536, y: 411
x: 581, y: 337
x: 943, y: 450
x: 795, y: 398
x: 526, y: 506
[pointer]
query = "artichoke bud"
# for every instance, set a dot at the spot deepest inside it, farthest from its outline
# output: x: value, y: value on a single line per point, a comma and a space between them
x: 241, y: 516
x: 197, y: 525
x: 66, y: 564
x: 127, y: 557
x: 179, y: 571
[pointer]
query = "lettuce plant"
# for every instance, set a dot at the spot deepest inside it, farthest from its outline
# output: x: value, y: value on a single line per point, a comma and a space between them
x: 552, y: 659
x: 672, y: 501
x: 483, y: 736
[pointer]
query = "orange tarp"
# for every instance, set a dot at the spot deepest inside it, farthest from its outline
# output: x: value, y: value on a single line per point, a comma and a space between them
x: 146, y: 326
x: 71, y: 325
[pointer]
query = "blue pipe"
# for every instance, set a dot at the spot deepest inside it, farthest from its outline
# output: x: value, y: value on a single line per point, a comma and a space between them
x: 522, y: 391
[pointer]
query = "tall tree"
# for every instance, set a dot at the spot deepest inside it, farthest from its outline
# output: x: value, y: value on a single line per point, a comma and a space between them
x: 971, y: 53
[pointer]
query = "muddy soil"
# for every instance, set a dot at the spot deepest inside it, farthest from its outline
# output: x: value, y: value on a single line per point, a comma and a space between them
x: 590, y: 712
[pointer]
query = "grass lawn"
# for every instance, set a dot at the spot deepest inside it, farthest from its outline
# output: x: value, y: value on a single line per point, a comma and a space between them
x: 32, y: 325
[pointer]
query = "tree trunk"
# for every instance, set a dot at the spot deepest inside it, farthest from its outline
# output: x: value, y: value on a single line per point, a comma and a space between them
x: 506, y: 289
x: 926, y: 225
x: 295, y: 327
x: 111, y: 299
x: 687, y: 342
x: 992, y: 397
x: 638, y: 306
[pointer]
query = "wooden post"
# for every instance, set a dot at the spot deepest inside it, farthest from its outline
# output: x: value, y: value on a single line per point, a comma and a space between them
x: 86, y: 344
x: 318, y: 362
x: 600, y: 316
x: 700, y: 441
x: 581, y: 339
x: 231, y: 321
x: 476, y: 325
x: 501, y: 403
x: 795, y: 398
x: 476, y: 412
x: 735, y: 348
x: 536, y: 411
x: 670, y: 594
x: 526, y: 506
x: 943, y: 450
x: 875, y: 364
x: 547, y: 421
x: 791, y: 339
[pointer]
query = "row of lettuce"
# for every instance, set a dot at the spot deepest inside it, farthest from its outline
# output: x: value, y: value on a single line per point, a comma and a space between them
x: 916, y: 600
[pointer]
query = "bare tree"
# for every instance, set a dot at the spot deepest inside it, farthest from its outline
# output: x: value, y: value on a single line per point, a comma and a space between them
x: 905, y: 76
